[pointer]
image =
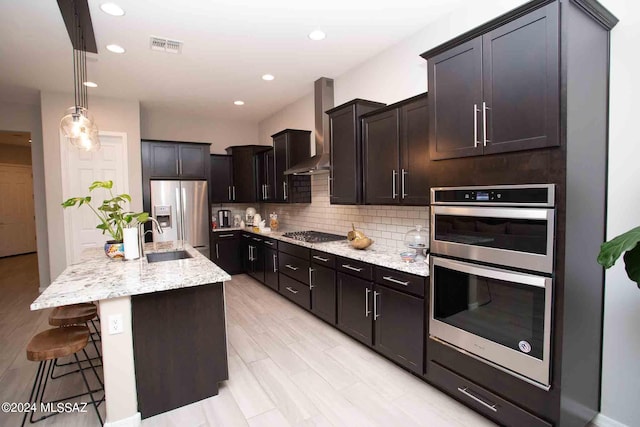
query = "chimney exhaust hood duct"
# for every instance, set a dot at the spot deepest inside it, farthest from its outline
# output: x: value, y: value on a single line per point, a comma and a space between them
x: 323, y: 101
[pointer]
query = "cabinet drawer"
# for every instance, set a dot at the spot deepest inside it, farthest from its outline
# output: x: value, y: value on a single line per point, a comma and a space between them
x: 401, y: 281
x: 323, y: 258
x: 291, y: 249
x: 481, y: 400
x: 294, y: 267
x: 270, y: 243
x: 355, y: 268
x: 225, y: 235
x: 295, y: 291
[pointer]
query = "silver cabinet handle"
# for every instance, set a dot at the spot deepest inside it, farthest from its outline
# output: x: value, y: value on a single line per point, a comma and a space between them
x: 293, y: 291
x: 275, y: 263
x: 256, y: 239
x: 246, y: 235
x: 234, y: 192
x: 268, y: 243
x: 217, y: 253
x: 329, y: 185
x: 284, y: 189
x: 291, y: 267
x: 484, y: 123
x: 464, y: 391
x: 404, y: 173
x: 311, y: 270
x: 178, y: 166
x: 264, y: 191
x: 393, y: 184
x: 250, y: 253
x: 230, y: 194
x: 225, y: 235
x: 320, y: 258
x: 375, y: 305
x: 352, y: 268
x: 367, y: 312
x: 392, y: 280
x: 475, y: 125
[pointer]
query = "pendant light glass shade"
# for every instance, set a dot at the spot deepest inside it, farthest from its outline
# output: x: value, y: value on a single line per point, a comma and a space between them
x: 80, y: 129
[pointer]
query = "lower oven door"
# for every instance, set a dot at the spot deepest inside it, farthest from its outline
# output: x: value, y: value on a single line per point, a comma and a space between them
x: 501, y: 317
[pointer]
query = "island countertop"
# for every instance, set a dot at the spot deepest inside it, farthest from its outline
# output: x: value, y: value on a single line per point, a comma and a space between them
x: 96, y: 277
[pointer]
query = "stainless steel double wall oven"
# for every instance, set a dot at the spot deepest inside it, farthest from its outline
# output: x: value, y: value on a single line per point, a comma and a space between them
x: 492, y: 264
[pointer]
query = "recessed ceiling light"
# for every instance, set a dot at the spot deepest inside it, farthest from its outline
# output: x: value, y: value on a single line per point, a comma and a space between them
x: 268, y: 77
x: 317, y: 35
x: 90, y: 84
x: 112, y: 9
x: 238, y: 102
x: 115, y: 48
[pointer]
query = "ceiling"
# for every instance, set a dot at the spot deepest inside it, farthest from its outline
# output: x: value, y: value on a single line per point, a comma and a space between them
x: 228, y: 46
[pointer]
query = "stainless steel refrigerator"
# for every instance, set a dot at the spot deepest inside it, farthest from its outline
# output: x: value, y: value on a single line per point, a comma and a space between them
x: 182, y: 209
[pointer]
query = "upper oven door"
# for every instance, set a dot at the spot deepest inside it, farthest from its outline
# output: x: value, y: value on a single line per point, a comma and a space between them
x: 516, y: 237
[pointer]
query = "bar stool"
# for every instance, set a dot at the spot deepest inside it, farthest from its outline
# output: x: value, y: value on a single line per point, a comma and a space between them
x: 46, y: 347
x: 75, y: 314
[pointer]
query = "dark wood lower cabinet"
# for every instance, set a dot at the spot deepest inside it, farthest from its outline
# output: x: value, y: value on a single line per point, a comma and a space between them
x: 179, y: 346
x: 271, y: 268
x: 295, y: 291
x: 399, y: 327
x: 323, y: 292
x: 225, y: 252
x: 355, y: 307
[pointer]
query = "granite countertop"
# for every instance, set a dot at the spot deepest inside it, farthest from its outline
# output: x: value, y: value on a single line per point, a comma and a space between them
x: 374, y: 254
x: 96, y: 277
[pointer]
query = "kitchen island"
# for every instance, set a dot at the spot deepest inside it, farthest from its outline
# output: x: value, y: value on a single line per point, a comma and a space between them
x: 171, y: 350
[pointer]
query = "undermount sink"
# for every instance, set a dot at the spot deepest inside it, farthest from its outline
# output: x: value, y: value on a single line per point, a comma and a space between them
x: 167, y: 256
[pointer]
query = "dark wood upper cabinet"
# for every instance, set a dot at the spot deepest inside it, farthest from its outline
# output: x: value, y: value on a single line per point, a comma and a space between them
x: 265, y: 174
x: 165, y: 159
x: 498, y: 92
x: 245, y: 175
x: 291, y: 146
x: 396, y: 153
x: 345, y: 181
x: 221, y: 178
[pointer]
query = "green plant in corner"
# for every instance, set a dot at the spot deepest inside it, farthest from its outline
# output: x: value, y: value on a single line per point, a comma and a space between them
x: 113, y: 218
x: 628, y: 243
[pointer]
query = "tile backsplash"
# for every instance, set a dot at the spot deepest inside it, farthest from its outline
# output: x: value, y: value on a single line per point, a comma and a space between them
x: 386, y: 225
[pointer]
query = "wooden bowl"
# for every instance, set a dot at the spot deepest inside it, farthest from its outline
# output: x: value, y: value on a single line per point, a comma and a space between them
x: 361, y: 243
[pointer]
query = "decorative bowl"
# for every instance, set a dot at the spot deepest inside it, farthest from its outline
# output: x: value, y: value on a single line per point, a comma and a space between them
x: 362, y: 243
x: 408, y: 256
x: 114, y: 249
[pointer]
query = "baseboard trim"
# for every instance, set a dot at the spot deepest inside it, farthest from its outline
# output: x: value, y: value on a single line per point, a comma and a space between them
x: 604, y: 421
x: 133, y: 421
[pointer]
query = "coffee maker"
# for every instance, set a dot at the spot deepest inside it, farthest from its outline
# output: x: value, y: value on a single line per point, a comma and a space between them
x: 224, y: 218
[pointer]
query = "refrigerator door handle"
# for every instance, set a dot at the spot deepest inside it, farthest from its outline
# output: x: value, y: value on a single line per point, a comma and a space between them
x: 183, y: 200
x: 179, y: 213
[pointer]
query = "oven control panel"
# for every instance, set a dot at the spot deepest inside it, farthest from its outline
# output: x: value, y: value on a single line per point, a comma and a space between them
x: 519, y: 195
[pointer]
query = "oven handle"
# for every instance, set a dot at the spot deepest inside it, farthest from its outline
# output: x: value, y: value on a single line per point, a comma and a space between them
x: 493, y: 273
x: 485, y: 212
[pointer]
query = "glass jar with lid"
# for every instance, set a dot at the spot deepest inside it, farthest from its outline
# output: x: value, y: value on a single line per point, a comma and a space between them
x: 418, y: 240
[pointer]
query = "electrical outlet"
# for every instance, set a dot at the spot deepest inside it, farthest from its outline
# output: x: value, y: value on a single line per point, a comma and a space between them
x: 115, y: 324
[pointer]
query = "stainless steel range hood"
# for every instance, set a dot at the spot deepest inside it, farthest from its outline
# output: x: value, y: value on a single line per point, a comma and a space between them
x: 323, y: 101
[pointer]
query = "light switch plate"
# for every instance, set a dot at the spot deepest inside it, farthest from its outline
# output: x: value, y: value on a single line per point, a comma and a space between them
x: 115, y: 324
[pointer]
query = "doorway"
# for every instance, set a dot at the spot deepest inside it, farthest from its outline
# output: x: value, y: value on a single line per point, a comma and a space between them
x: 17, y: 214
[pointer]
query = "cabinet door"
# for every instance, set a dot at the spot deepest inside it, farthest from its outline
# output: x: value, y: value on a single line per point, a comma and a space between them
x: 193, y: 160
x: 281, y: 163
x: 455, y: 100
x: 256, y: 254
x: 163, y: 160
x: 246, y: 253
x: 414, y: 149
x: 521, y: 83
x: 355, y: 309
x: 264, y: 172
x: 399, y: 327
x: 221, y: 179
x: 323, y: 292
x: 227, y: 252
x: 346, y: 173
x: 381, y: 155
x: 243, y: 189
x: 271, y: 268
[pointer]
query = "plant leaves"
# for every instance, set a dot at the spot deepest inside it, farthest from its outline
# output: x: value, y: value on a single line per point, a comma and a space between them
x: 632, y: 264
x: 101, y: 184
x: 610, y: 251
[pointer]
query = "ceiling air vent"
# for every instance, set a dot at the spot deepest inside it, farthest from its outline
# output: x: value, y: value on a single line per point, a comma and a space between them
x: 165, y: 45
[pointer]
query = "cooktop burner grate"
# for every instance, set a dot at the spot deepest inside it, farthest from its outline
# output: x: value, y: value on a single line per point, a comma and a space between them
x: 313, y: 236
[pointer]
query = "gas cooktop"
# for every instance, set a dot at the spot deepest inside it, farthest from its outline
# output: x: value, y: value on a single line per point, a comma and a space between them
x: 313, y: 236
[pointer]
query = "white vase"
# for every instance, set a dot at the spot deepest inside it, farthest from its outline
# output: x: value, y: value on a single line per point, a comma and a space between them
x: 131, y: 250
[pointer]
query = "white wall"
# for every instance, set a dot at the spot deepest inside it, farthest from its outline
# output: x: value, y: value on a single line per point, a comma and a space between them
x: 110, y: 115
x: 172, y: 125
x: 26, y: 117
x: 297, y: 115
x: 621, y: 370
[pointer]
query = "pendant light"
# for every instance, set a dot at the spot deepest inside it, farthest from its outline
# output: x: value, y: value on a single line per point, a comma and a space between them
x: 77, y: 125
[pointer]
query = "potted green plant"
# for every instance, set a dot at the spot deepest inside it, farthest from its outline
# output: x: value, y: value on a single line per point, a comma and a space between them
x: 112, y: 215
x: 628, y: 243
